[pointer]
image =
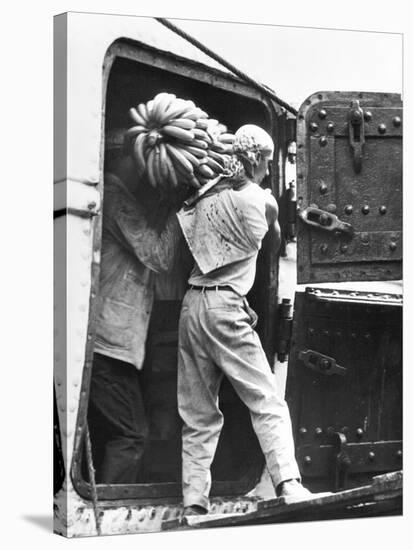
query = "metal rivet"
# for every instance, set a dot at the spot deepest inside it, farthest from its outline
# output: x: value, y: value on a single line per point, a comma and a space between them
x: 397, y: 121
x: 348, y: 209
x: 322, y: 113
x: 399, y: 454
x: 323, y: 188
x: 331, y: 208
x: 318, y: 432
x: 365, y: 238
x: 359, y: 432
x: 371, y: 456
x: 307, y: 460
x: 91, y: 205
x: 366, y: 209
x: 325, y: 364
x: 382, y: 210
x: 311, y: 330
x: 392, y: 246
x: 323, y: 141
x: 367, y: 116
x: 344, y: 248
x: 382, y: 128
x: 323, y: 248
x: 302, y: 431
x: 326, y: 332
x: 313, y: 127
x: 330, y: 127
x: 324, y: 219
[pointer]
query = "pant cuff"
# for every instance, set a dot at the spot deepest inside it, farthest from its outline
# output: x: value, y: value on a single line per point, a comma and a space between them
x: 196, y: 500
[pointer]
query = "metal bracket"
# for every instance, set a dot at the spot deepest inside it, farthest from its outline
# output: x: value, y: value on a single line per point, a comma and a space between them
x: 80, y: 198
x: 284, y: 329
x: 356, y: 134
x: 321, y: 363
x: 342, y: 461
x: 325, y: 220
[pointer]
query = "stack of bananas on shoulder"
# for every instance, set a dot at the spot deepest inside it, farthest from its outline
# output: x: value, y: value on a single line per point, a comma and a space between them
x: 174, y: 143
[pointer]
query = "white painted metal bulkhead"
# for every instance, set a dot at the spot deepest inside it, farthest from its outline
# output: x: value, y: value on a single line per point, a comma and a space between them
x: 78, y: 187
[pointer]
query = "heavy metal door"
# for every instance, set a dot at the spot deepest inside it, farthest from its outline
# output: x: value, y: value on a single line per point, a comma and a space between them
x: 349, y: 179
x: 344, y: 384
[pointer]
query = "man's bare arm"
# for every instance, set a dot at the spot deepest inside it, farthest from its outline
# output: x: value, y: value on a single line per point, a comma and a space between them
x: 271, y: 214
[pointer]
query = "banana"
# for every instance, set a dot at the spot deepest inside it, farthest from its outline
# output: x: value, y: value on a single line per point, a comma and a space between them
x: 198, y: 153
x: 149, y: 109
x: 136, y: 117
x: 142, y: 110
x: 205, y: 171
x: 184, y: 123
x: 217, y: 157
x: 161, y: 103
x: 200, y: 143
x: 189, y: 156
x: 214, y: 165
x: 193, y: 114
x: 222, y: 148
x: 172, y: 177
x: 202, y: 123
x: 176, y: 109
x: 201, y: 134
x: 181, y: 160
x: 227, y: 138
x: 164, y: 173
x: 134, y: 131
x: 203, y: 180
x: 150, y: 168
x: 178, y: 133
x: 193, y: 181
x: 138, y: 150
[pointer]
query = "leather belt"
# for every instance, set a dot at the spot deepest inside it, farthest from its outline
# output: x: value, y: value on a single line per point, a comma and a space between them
x: 215, y: 287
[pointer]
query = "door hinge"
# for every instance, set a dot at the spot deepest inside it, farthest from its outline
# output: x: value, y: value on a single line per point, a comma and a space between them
x: 285, y: 323
x: 356, y: 134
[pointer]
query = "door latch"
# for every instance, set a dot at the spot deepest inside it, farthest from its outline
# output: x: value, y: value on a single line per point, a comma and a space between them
x: 356, y: 134
x: 325, y: 220
x: 321, y: 363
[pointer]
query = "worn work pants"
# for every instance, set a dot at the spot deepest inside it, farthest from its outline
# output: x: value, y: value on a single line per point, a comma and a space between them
x: 216, y: 339
x: 117, y: 420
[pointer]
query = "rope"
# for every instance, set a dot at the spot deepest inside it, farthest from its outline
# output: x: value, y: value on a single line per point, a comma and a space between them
x: 92, y: 479
x: 243, y: 76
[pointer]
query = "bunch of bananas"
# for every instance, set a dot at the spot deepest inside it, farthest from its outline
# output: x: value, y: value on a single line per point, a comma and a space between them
x: 176, y: 144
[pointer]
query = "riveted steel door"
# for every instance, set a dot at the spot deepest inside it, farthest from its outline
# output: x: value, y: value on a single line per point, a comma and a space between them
x: 349, y: 178
x: 344, y: 386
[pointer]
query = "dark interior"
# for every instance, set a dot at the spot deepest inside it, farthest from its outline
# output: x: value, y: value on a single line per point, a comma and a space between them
x: 238, y: 461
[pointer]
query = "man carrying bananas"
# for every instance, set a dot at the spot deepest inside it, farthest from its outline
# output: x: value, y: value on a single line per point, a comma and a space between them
x: 224, y: 230
x: 134, y: 248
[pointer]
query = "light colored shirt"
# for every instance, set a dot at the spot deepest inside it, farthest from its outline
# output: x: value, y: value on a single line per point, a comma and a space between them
x: 132, y: 252
x: 248, y: 204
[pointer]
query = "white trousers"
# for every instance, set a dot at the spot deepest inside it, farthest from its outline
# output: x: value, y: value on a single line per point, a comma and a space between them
x: 216, y: 339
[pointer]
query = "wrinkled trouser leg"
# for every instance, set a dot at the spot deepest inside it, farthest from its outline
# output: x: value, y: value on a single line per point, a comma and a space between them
x: 215, y: 331
x: 117, y: 420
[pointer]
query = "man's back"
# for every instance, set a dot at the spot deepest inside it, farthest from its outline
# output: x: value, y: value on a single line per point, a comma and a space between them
x: 234, y: 224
